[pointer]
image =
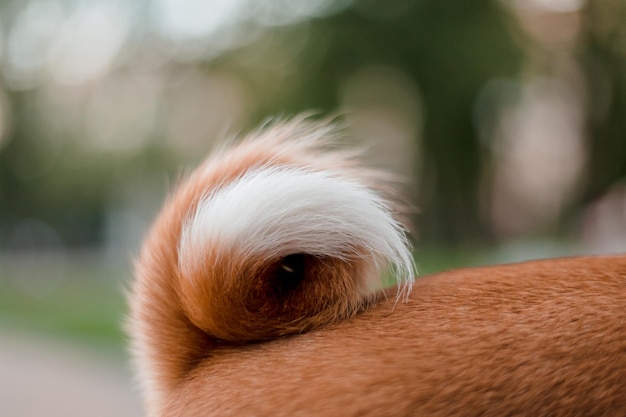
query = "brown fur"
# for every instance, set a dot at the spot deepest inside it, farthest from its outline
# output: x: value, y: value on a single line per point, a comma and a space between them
x: 544, y: 338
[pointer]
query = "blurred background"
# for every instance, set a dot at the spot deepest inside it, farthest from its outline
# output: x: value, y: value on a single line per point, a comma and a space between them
x: 508, y: 119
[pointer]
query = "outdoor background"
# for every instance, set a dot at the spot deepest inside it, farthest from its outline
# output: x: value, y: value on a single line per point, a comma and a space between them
x: 508, y: 118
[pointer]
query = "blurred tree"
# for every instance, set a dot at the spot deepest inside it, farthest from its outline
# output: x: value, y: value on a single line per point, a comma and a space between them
x: 603, y: 55
x: 37, y: 181
x: 450, y: 48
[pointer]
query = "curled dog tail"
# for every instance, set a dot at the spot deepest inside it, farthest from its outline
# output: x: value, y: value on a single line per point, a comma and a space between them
x: 277, y: 235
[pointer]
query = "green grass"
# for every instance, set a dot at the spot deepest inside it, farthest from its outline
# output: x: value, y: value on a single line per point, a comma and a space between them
x: 434, y: 259
x: 85, y: 305
x: 92, y: 313
x: 86, y: 302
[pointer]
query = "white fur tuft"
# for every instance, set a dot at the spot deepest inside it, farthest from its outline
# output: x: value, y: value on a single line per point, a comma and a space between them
x: 272, y: 212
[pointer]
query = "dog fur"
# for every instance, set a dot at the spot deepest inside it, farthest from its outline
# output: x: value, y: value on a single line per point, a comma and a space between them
x: 258, y: 292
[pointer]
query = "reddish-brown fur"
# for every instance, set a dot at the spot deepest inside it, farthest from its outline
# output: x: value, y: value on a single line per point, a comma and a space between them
x: 545, y: 338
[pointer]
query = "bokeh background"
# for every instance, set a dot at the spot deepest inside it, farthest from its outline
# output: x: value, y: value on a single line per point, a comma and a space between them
x: 507, y: 117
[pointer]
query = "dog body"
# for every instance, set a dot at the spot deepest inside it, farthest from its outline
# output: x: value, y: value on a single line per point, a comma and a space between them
x: 258, y: 294
x: 542, y: 338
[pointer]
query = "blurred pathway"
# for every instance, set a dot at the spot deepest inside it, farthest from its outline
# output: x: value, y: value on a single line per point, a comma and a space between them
x: 42, y: 377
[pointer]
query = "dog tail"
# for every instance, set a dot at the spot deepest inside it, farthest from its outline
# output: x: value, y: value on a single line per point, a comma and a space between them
x: 277, y: 235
